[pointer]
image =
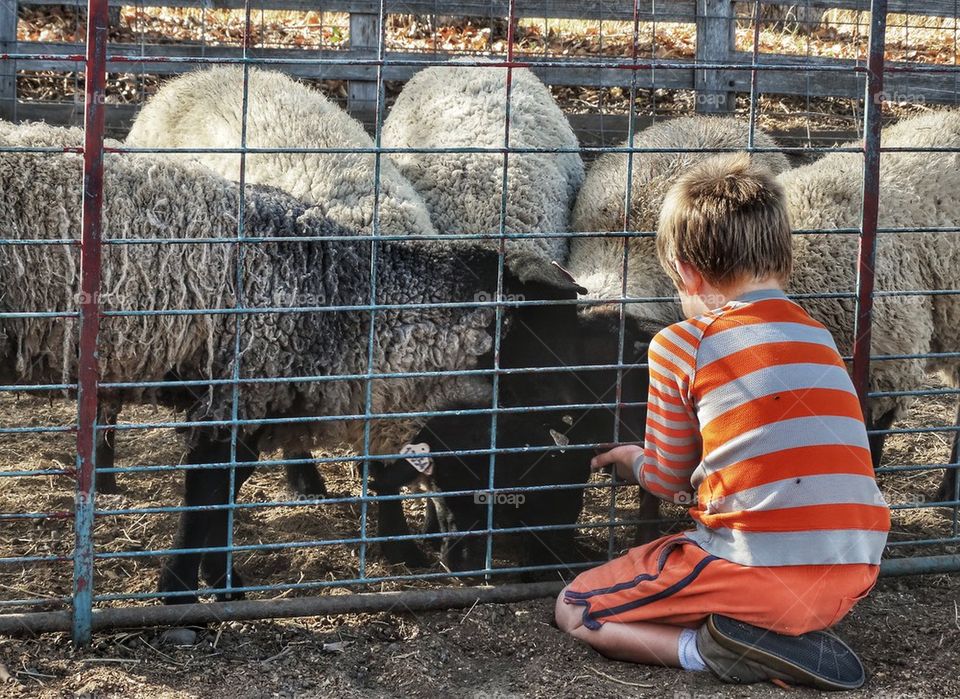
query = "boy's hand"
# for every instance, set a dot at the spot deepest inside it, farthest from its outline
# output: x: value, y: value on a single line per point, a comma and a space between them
x: 622, y: 458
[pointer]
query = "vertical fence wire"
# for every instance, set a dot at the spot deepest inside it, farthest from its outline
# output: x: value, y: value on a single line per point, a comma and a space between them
x: 90, y: 268
x: 239, y: 305
x: 624, y: 271
x: 371, y: 337
x: 498, y: 309
x: 754, y: 96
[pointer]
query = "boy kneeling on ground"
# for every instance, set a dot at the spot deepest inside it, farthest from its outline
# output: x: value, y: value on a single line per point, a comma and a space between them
x: 753, y: 419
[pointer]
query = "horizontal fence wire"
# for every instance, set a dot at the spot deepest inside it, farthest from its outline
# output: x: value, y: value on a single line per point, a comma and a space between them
x: 117, y: 542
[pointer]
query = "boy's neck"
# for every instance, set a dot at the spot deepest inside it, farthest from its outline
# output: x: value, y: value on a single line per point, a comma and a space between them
x: 715, y: 297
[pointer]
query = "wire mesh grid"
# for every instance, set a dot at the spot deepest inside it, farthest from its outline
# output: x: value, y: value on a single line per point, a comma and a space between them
x: 816, y: 74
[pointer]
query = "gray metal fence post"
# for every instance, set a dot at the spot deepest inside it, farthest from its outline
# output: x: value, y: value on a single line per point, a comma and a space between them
x: 8, y: 68
x: 364, y: 35
x: 716, y: 28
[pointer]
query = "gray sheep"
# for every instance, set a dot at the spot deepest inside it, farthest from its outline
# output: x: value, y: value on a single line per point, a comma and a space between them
x: 597, y: 261
x: 205, y: 108
x: 154, y: 198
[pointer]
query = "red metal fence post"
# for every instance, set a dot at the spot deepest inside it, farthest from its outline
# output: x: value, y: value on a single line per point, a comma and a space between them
x: 88, y: 370
x: 873, y: 114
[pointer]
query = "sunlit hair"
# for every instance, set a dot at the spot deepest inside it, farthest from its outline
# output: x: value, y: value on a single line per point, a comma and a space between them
x: 727, y: 217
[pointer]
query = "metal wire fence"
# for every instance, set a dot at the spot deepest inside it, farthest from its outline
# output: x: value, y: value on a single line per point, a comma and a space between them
x: 82, y: 559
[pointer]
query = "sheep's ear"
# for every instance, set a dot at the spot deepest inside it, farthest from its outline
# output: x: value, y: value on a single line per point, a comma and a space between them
x: 568, y: 277
x: 558, y: 276
x: 553, y: 280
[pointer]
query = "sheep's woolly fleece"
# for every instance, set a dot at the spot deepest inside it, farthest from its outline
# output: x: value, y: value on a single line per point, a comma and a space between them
x: 917, y: 190
x: 462, y: 106
x: 152, y: 198
x: 204, y: 109
x: 597, y: 262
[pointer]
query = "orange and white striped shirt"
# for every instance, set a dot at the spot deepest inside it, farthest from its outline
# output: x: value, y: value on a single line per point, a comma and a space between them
x: 751, y: 408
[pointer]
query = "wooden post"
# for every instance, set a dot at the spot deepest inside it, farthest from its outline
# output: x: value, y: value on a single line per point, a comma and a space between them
x: 716, y: 27
x: 364, y: 36
x: 8, y: 69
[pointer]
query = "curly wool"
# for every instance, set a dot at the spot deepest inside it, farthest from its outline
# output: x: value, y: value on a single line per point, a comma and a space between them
x: 204, y: 109
x: 597, y: 262
x: 462, y: 106
x: 916, y: 190
x: 150, y: 198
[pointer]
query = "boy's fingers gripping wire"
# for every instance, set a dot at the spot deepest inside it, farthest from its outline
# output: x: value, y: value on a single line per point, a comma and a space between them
x: 621, y: 458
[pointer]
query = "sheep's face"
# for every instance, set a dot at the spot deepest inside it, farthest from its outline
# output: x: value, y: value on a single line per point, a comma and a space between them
x: 557, y: 337
x: 598, y: 345
x: 541, y: 337
x: 464, y: 473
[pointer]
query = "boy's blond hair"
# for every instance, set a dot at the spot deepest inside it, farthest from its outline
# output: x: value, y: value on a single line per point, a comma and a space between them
x: 727, y: 217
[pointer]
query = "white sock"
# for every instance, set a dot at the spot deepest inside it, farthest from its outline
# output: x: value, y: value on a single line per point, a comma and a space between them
x: 690, y: 658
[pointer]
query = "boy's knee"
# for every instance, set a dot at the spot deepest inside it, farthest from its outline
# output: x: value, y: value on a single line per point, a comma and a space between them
x: 569, y: 617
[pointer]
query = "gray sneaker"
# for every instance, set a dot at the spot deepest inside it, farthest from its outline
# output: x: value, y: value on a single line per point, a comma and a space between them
x: 743, y: 654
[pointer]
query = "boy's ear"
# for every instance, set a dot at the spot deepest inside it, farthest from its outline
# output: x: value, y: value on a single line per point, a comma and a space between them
x: 690, y: 276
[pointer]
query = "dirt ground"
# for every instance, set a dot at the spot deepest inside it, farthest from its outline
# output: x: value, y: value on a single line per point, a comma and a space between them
x: 908, y: 633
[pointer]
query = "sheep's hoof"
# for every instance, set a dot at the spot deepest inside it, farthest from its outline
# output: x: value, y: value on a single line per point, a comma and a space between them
x: 304, y: 481
x: 645, y: 532
x: 217, y: 579
x: 172, y: 581
x: 179, y: 599
x: 947, y: 490
x: 232, y: 596
x: 404, y: 553
x: 107, y: 484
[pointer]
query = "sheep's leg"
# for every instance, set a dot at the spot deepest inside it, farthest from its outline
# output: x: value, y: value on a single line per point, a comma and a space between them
x: 391, y: 520
x: 213, y: 566
x: 647, y: 511
x: 884, y: 422
x: 431, y: 524
x: 304, y: 479
x: 106, y: 415
x: 462, y: 552
x: 556, y: 548
x: 551, y: 547
x: 948, y: 487
x: 548, y: 548
x: 200, y: 528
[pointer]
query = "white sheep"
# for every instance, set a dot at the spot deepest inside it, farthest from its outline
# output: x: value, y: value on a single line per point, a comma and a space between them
x: 597, y: 262
x: 155, y: 198
x: 465, y: 107
x: 204, y: 109
x: 917, y: 190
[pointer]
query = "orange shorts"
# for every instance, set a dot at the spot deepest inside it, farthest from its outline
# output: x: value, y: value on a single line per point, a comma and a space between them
x: 674, y: 581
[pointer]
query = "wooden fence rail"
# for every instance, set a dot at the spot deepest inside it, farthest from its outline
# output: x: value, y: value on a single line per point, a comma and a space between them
x: 727, y: 70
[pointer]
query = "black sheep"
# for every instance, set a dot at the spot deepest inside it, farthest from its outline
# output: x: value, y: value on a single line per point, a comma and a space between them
x: 571, y: 433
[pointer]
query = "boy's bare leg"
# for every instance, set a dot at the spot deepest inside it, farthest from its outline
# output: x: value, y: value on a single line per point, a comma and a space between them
x: 638, y: 642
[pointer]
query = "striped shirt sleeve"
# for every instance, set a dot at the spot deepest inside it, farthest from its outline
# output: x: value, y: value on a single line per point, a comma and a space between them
x: 672, y: 446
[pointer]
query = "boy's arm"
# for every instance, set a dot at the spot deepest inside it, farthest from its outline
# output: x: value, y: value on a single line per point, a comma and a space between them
x: 672, y: 441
